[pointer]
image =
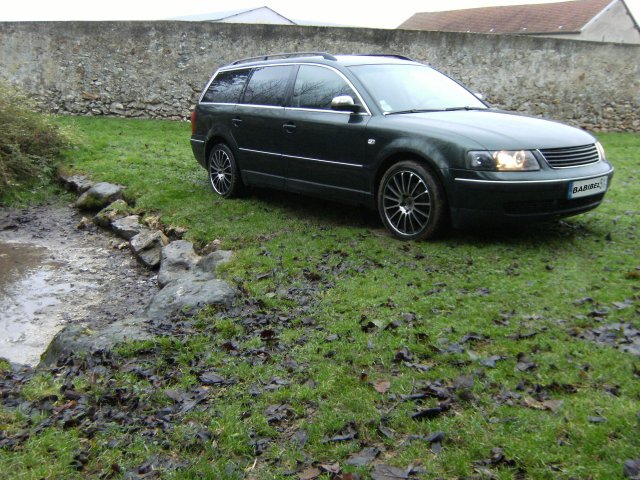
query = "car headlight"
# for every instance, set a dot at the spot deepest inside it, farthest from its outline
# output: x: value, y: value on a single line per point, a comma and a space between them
x: 600, y: 149
x: 503, y: 160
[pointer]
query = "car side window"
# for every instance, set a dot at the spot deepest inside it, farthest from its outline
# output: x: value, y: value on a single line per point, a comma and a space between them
x: 315, y: 87
x: 226, y: 87
x: 267, y: 86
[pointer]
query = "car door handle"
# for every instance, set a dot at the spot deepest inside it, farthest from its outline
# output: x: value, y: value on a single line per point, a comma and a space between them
x: 289, y: 127
x: 236, y: 122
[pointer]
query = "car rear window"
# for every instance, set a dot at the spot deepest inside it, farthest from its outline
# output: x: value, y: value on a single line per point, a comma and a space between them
x: 226, y: 87
x: 268, y: 86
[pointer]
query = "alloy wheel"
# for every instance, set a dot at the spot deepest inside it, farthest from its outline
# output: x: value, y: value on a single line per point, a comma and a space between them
x: 220, y: 171
x: 406, y: 202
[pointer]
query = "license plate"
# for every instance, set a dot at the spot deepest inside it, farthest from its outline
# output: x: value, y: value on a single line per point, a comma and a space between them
x: 584, y: 188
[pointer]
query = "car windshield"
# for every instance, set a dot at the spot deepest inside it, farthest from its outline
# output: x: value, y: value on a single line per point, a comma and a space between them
x: 414, y: 88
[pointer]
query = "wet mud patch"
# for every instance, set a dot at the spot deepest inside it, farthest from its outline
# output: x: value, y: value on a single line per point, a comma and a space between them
x: 53, y: 274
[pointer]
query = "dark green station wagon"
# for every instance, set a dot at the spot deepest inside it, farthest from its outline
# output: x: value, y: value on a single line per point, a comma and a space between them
x: 392, y: 134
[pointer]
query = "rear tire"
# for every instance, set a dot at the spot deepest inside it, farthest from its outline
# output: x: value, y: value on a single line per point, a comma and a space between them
x: 224, y: 176
x: 411, y: 201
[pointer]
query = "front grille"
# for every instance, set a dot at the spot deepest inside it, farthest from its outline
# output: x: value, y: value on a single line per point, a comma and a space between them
x: 571, y: 157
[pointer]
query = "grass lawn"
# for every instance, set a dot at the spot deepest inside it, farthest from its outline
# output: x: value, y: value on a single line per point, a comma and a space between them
x: 350, y: 353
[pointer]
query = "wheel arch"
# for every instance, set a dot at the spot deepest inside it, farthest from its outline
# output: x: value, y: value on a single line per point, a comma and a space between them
x: 399, y: 156
x: 215, y: 139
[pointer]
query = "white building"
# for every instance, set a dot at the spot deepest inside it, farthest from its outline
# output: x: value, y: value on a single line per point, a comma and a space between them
x: 253, y: 15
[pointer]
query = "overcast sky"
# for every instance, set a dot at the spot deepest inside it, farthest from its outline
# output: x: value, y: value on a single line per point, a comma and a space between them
x: 367, y: 13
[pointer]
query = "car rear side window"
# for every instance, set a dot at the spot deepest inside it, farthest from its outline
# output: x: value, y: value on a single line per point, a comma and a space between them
x: 268, y: 86
x: 226, y: 87
x: 315, y: 87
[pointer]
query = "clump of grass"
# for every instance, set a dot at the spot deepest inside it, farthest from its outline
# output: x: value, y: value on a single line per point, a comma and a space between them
x: 29, y: 142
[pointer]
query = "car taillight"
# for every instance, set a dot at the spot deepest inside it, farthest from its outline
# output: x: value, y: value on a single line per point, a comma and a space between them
x: 193, y: 122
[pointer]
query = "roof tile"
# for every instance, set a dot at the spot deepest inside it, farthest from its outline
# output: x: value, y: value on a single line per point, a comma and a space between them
x: 561, y: 17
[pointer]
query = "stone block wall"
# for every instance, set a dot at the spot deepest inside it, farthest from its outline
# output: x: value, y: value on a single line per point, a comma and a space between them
x: 157, y: 69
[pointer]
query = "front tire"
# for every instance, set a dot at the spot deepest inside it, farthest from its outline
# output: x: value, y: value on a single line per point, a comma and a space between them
x: 224, y: 176
x: 411, y: 201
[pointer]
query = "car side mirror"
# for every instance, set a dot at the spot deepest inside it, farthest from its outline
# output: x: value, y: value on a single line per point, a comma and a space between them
x: 345, y: 103
x: 479, y: 96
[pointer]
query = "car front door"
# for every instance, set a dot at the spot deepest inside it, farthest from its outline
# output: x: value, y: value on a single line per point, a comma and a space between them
x: 324, y: 148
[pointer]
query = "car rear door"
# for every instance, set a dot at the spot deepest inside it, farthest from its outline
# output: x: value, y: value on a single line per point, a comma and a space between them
x: 257, y: 125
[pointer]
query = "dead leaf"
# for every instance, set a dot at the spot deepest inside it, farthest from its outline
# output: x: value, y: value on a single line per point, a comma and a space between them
x: 430, y: 413
x: 382, y: 386
x: 211, y: 378
x: 491, y: 361
x: 596, y: 419
x: 634, y: 274
x: 387, y: 472
x: 333, y: 468
x: 525, y: 364
x: 631, y: 468
x: 300, y: 438
x: 435, y: 437
x: 310, y: 474
x: 363, y: 457
x: 403, y: 355
x: 553, y: 405
x: 463, y: 382
x: 347, y: 433
x: 66, y: 406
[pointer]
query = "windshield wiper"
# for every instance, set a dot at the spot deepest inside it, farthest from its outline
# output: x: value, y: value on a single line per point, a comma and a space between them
x: 415, y: 110
x: 427, y: 110
x: 453, y: 109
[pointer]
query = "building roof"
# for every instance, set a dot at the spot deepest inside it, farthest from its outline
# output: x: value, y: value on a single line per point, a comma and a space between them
x: 544, y: 18
x: 232, y: 15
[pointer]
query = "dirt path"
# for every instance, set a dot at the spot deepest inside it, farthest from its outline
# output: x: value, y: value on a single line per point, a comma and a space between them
x: 52, y: 273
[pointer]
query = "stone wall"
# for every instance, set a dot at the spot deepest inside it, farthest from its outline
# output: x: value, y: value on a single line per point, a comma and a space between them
x: 157, y: 69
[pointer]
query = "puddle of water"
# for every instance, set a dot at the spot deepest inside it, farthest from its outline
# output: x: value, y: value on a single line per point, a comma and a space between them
x: 53, y: 274
x: 16, y: 260
x: 29, y: 291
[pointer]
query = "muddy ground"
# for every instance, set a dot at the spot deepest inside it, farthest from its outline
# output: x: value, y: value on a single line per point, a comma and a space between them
x: 55, y: 270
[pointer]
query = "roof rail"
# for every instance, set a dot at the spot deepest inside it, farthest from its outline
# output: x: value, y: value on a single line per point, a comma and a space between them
x: 392, y: 55
x: 326, y: 56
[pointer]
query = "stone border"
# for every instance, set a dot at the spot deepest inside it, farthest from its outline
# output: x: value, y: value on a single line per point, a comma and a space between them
x: 187, y: 280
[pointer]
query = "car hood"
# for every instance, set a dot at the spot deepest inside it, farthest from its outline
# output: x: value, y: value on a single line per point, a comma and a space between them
x: 494, y: 129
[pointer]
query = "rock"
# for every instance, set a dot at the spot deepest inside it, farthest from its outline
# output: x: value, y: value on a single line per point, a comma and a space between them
x: 211, y: 246
x: 117, y: 108
x: 153, y: 222
x: 175, y: 233
x: 105, y: 217
x: 188, y: 293
x: 147, y: 247
x: 75, y: 183
x: 90, y: 96
x: 84, y: 223
x: 99, y: 196
x: 178, y: 259
x: 76, y: 339
x: 210, y: 262
x: 188, y: 281
x: 127, y: 227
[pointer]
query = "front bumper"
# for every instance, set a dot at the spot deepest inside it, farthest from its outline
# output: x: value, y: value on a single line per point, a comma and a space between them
x: 490, y: 197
